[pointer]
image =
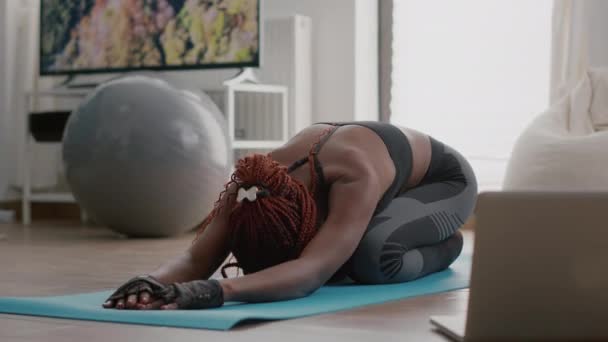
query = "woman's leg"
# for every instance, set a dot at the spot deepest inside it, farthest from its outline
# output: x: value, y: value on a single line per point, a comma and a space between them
x: 416, y: 234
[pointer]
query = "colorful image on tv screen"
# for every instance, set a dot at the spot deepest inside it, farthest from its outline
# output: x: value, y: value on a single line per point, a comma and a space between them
x: 93, y: 35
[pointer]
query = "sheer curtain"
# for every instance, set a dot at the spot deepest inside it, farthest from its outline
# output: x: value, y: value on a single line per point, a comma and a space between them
x: 4, y: 139
x: 20, y: 53
x: 579, y: 42
x: 471, y: 73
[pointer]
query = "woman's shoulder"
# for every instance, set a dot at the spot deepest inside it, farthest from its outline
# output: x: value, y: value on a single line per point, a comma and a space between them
x: 358, y: 152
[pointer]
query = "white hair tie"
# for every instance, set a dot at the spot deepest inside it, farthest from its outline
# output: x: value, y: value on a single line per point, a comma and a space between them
x: 250, y: 194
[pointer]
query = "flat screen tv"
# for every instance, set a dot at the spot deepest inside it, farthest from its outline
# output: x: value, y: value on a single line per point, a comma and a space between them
x: 101, y: 36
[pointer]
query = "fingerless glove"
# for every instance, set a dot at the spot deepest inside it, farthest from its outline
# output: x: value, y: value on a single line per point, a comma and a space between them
x: 196, y: 294
x: 137, y: 285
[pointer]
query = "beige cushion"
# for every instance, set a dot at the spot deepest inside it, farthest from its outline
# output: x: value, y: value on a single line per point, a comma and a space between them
x: 566, y: 147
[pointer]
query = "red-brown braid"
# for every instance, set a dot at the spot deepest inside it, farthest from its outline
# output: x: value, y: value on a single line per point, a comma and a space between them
x: 275, y: 228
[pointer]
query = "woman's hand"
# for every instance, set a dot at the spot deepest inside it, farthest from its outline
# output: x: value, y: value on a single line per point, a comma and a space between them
x: 133, y: 302
x: 147, y: 293
x: 137, y: 293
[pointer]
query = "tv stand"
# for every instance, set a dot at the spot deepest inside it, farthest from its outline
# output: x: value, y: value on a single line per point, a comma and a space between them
x: 90, y: 85
x: 68, y: 84
x: 82, y: 86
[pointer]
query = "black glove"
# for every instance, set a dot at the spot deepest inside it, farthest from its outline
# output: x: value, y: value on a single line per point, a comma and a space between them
x: 196, y: 294
x: 137, y: 285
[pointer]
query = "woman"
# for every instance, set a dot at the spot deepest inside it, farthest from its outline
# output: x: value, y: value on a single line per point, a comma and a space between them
x: 368, y: 201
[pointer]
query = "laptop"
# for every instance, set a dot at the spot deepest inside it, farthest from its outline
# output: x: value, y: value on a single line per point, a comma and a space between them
x: 540, y: 269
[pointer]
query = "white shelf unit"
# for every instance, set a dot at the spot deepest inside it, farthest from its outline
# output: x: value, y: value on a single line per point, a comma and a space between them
x: 56, y: 197
x: 28, y: 197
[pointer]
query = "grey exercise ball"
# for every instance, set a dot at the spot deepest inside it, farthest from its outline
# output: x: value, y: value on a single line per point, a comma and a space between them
x: 146, y: 159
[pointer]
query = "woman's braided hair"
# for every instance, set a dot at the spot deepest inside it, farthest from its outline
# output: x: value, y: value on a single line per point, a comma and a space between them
x: 271, y: 229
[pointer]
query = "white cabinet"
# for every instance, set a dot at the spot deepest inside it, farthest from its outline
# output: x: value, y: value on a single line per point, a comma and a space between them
x: 28, y: 196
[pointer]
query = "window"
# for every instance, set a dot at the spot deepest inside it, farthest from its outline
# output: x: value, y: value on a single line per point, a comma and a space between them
x: 471, y: 73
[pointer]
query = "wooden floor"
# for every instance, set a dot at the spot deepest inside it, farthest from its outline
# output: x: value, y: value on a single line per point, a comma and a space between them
x: 64, y: 258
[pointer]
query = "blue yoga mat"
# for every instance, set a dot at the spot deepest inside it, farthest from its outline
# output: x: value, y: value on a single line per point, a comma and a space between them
x: 327, y: 299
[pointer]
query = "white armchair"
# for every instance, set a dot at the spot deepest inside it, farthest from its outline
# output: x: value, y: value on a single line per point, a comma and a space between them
x: 566, y: 147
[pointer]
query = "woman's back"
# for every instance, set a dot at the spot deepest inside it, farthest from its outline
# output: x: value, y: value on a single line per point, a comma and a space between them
x: 336, y: 154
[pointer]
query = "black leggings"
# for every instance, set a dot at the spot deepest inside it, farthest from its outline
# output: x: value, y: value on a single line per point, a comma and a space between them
x: 417, y: 233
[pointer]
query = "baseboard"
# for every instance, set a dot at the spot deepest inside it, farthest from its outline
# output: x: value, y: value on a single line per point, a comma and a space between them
x: 71, y: 211
x: 470, y: 224
x: 45, y: 211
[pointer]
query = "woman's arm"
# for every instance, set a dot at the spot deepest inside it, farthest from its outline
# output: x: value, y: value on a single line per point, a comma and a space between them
x: 207, y: 253
x: 352, y: 201
x: 200, y: 261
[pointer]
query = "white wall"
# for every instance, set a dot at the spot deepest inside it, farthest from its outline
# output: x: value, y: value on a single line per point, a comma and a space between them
x: 473, y: 79
x: 19, y: 50
x: 6, y: 160
x: 465, y: 74
x: 333, y: 45
x: 595, y: 14
x: 345, y: 57
x: 344, y: 67
x: 3, y: 123
x: 366, y: 54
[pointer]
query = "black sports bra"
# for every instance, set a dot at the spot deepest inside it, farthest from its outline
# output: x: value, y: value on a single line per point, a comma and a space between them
x: 398, y: 148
